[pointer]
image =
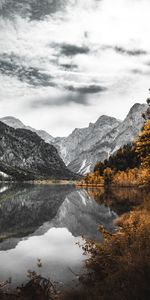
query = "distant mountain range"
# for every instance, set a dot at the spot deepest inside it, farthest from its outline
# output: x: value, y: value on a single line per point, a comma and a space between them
x: 84, y: 147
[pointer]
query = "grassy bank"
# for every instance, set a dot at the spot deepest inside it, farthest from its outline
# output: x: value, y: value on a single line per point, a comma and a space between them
x: 53, y: 182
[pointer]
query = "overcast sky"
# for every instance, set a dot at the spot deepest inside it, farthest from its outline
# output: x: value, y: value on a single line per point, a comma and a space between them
x: 63, y: 63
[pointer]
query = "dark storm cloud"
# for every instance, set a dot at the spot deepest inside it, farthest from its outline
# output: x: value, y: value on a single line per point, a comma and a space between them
x: 72, y: 50
x: 30, y: 75
x: 35, y: 9
x: 90, y: 89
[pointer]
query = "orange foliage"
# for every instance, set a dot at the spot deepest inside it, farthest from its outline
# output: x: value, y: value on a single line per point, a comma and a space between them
x: 91, y: 179
x: 121, y: 265
x: 132, y: 177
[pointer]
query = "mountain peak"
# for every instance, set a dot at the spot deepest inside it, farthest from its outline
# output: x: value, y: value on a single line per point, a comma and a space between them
x: 12, y: 122
x: 106, y: 119
x: 137, y: 107
x: 16, y: 123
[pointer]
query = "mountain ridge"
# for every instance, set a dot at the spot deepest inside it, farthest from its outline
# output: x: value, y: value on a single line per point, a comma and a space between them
x: 83, y: 147
x: 25, y: 156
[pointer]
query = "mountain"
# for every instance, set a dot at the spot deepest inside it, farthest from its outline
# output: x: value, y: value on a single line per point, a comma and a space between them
x: 75, y: 150
x: 130, y: 127
x: 85, y: 146
x: 16, y: 123
x: 24, y: 156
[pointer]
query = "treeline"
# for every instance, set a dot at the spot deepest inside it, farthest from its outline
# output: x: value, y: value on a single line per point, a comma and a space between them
x: 125, y: 158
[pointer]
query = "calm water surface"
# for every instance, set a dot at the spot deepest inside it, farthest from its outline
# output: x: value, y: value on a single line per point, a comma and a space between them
x: 47, y: 222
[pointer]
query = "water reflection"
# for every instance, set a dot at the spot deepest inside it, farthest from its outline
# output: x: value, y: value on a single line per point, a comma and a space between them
x: 81, y: 215
x: 45, y: 222
x: 24, y: 208
x: 120, y: 200
x: 57, y: 250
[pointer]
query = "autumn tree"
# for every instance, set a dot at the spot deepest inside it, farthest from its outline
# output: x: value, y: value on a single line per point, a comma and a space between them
x: 108, y: 176
x: 143, y: 145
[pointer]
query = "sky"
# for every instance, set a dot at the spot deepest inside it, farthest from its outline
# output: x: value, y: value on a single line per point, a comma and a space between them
x: 64, y: 63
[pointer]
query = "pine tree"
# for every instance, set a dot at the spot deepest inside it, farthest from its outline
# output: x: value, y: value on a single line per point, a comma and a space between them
x: 143, y: 145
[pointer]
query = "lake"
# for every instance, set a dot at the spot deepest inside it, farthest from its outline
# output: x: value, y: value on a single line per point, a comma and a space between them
x: 47, y: 222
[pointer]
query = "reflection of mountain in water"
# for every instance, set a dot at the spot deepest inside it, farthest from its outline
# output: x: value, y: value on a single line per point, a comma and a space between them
x: 24, y: 209
x: 81, y: 215
x: 34, y: 209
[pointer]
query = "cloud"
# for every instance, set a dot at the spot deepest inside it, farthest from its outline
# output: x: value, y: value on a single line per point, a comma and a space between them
x: 124, y: 51
x: 142, y: 72
x: 91, y: 89
x: 132, y: 52
x: 71, y: 50
x: 69, y: 67
x: 33, y: 9
x: 11, y: 66
x: 52, y: 59
x: 57, y: 101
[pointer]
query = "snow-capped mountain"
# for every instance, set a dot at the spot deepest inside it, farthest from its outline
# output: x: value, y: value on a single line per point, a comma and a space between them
x: 85, y: 146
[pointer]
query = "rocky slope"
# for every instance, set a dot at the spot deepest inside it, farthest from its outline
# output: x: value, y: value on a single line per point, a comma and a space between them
x: 81, y: 140
x: 84, y: 147
x: 24, y: 155
x: 111, y: 141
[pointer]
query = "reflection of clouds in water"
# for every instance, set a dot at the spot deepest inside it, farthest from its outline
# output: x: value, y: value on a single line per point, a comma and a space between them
x: 56, y: 249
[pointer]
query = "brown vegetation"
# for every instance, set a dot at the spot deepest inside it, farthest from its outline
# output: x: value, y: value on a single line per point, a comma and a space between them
x: 132, y: 177
x: 119, y: 268
x: 121, y: 265
x: 91, y: 179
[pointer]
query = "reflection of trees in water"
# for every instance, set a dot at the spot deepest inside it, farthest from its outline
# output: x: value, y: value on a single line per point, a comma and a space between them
x: 119, y: 199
